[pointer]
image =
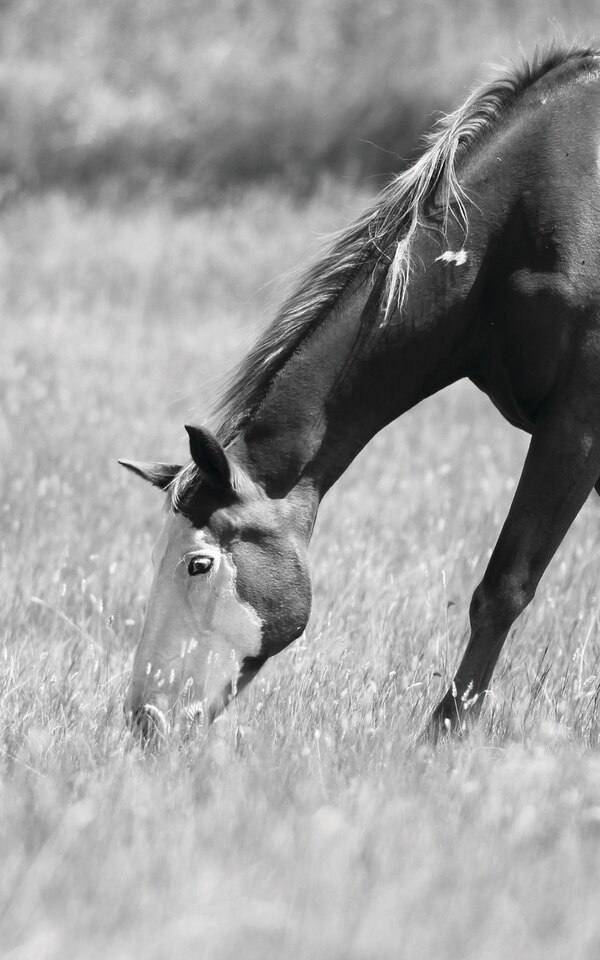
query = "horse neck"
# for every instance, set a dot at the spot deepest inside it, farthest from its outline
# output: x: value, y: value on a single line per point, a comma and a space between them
x: 356, y: 373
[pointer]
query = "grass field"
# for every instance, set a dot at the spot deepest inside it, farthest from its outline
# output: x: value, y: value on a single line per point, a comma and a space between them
x: 306, y: 824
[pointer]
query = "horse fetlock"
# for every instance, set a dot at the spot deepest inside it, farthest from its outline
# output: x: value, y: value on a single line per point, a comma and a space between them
x: 454, y: 713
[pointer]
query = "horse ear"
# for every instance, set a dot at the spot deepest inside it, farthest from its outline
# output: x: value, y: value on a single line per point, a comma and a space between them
x: 209, y: 456
x: 158, y: 474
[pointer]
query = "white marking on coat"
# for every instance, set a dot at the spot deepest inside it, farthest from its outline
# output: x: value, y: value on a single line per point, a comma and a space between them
x: 458, y: 257
x: 195, y: 626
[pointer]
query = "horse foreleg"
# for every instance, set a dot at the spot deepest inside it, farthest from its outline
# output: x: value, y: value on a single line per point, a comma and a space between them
x: 561, y: 467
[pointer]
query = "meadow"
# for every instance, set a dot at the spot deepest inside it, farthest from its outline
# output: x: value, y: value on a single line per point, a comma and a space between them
x: 164, y: 168
x: 307, y: 822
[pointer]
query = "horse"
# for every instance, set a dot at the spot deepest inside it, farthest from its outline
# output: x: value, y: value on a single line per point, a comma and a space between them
x: 482, y: 261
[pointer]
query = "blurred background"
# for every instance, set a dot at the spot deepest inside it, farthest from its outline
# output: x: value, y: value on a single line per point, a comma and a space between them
x: 197, y: 96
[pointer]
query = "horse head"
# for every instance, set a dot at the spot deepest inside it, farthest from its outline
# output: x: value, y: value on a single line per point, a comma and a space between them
x: 231, y: 587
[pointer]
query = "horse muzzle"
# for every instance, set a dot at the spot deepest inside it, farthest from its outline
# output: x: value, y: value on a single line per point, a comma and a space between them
x: 148, y: 723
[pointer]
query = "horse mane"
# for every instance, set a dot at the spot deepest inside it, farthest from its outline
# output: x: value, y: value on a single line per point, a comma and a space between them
x: 383, y: 234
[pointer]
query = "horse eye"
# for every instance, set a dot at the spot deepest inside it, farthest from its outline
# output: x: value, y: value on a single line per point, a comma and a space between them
x: 199, y: 565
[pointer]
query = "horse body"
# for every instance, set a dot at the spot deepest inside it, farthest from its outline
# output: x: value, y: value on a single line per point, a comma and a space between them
x: 508, y: 297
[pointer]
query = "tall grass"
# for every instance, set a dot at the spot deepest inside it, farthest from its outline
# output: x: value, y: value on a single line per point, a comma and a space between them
x: 198, y: 96
x: 305, y: 823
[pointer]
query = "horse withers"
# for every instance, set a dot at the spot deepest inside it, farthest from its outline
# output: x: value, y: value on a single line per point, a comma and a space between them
x: 480, y: 261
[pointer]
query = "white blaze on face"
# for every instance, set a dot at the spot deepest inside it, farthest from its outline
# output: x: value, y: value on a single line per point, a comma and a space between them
x: 197, y: 631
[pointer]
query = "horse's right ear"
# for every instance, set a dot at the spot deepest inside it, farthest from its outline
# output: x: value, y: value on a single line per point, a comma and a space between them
x: 210, y: 457
x: 158, y: 474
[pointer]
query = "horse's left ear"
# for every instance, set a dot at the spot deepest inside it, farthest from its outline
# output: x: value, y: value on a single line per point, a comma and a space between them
x: 210, y: 457
x: 158, y: 474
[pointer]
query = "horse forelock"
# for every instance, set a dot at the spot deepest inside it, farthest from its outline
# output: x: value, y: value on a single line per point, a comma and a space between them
x: 385, y: 233
x: 182, y: 487
x: 187, y: 486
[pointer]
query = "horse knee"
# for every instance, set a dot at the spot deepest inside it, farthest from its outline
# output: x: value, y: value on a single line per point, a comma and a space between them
x: 499, y: 603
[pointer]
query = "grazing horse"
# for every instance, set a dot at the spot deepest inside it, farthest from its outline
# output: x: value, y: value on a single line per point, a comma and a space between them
x: 481, y: 260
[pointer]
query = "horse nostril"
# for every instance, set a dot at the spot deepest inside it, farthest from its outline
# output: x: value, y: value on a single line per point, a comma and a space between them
x: 150, y: 724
